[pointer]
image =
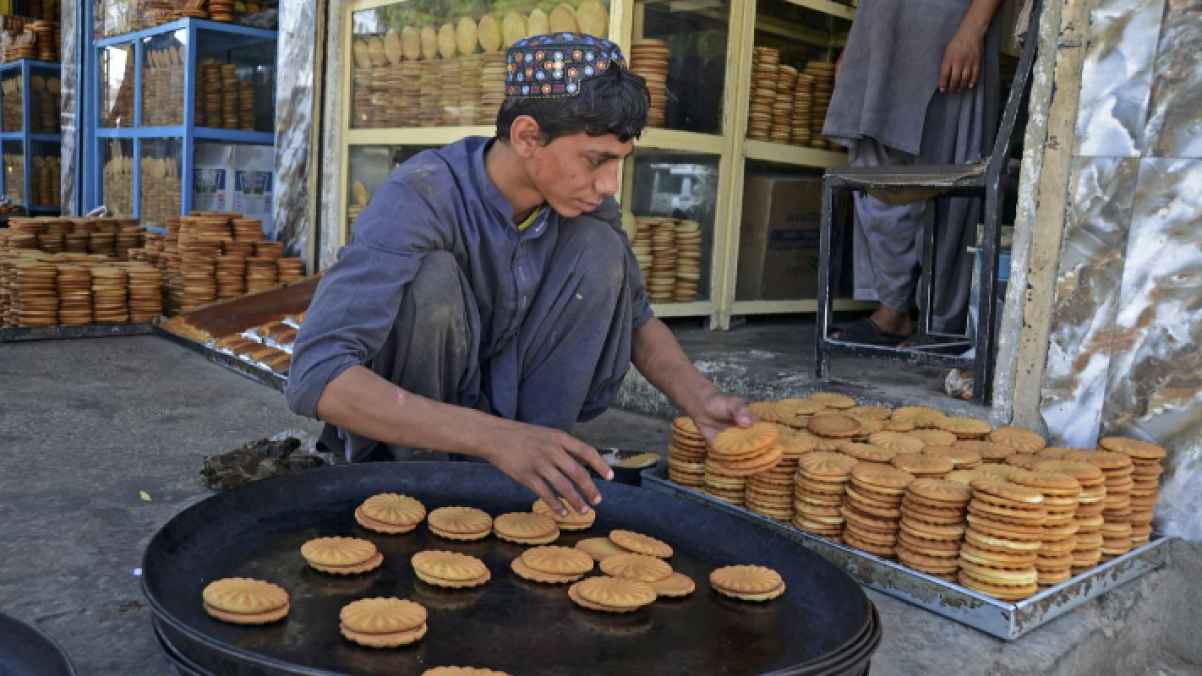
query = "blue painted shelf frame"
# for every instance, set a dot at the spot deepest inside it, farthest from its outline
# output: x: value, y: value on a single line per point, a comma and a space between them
x: 217, y: 36
x: 27, y: 69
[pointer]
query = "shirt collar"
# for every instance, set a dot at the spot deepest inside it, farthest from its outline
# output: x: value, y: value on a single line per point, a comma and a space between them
x: 496, y: 200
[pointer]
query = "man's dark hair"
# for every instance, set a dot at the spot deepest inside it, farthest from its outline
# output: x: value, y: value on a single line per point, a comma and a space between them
x: 614, y: 102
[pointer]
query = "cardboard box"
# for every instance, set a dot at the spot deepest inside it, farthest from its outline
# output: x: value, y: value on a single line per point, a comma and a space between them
x: 778, y: 240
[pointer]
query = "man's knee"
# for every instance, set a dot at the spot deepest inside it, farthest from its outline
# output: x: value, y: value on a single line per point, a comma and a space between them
x: 437, y: 293
x: 599, y: 250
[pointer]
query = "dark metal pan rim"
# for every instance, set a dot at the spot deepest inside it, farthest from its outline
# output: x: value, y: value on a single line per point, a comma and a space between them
x: 48, y: 642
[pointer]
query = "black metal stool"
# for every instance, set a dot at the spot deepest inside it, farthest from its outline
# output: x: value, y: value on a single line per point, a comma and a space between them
x: 991, y: 177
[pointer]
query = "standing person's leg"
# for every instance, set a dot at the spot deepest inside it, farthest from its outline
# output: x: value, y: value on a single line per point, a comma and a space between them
x: 433, y: 351
x: 574, y: 347
x: 886, y: 250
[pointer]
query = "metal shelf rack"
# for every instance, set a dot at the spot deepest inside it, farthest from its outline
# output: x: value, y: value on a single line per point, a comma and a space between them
x: 198, y: 35
x: 27, y: 68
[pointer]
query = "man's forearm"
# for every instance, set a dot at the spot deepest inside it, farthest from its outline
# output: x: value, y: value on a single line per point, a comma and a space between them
x: 366, y: 404
x: 658, y: 356
x: 978, y: 17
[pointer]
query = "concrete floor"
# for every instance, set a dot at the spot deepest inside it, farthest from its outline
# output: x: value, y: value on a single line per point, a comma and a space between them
x: 86, y: 425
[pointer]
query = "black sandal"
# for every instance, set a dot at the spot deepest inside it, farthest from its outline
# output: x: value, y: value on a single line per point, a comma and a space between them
x: 866, y: 332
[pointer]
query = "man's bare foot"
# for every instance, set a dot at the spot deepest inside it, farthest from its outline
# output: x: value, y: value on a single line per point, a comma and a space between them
x: 892, y: 321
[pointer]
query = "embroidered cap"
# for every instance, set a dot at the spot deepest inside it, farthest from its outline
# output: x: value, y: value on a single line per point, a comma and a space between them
x: 554, y: 65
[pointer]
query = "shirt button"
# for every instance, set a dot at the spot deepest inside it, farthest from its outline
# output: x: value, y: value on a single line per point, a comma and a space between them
x: 524, y: 301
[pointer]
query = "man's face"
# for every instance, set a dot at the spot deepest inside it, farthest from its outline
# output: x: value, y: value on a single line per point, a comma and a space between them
x: 575, y: 173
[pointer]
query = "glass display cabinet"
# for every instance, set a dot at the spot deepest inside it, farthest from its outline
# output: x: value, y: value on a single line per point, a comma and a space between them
x: 29, y: 134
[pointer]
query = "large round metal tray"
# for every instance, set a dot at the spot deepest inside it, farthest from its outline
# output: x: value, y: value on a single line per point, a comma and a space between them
x: 823, y: 624
x: 25, y: 651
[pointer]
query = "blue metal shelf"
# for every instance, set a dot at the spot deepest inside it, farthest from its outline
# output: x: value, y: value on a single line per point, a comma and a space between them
x: 255, y: 34
x: 229, y: 42
x: 27, y: 138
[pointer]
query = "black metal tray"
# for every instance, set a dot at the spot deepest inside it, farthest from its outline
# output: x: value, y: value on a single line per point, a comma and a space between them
x: 17, y: 334
x: 25, y: 651
x: 823, y: 624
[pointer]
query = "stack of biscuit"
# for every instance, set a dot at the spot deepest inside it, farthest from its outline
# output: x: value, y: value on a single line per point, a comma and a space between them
x: 765, y: 64
x: 686, y: 454
x: 823, y: 73
x: 989, y: 452
x: 960, y: 456
x: 770, y: 493
x: 688, y: 261
x: 1116, y: 510
x: 641, y: 245
x: 803, y: 92
x: 1147, y: 459
x: 1061, y: 497
x: 661, y: 278
x: 145, y: 292
x: 1003, y: 539
x: 649, y: 59
x: 110, y: 300
x: 782, y: 107
x: 1020, y: 439
x: 492, y: 87
x: 469, y: 88
x: 1087, y: 542
x: 872, y: 507
x: 448, y: 91
x: 818, y: 491
x: 932, y: 526
x: 74, y: 295
x: 737, y: 453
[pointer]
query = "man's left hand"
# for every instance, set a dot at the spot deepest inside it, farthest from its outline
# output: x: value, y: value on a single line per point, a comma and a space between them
x: 961, y: 62
x: 719, y: 411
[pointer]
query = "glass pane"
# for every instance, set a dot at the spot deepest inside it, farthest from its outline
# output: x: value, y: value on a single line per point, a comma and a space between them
x: 680, y: 49
x: 369, y: 168
x: 163, y: 80
x: 237, y: 178
x: 160, y: 186
x: 14, y: 172
x: 116, y: 17
x: 117, y: 86
x: 118, y: 187
x: 45, y: 88
x: 778, y: 235
x: 440, y: 64
x: 12, y: 97
x: 674, y: 204
x: 45, y: 175
x: 793, y: 73
x: 235, y: 82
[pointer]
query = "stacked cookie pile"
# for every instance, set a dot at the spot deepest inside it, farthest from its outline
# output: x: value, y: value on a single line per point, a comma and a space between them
x: 261, y: 274
x: 1147, y: 459
x: 34, y: 295
x: 382, y: 622
x: 449, y: 92
x: 291, y: 269
x: 872, y: 507
x: 450, y: 570
x: 818, y: 491
x: 803, y: 112
x: 469, y: 88
x: 782, y: 108
x: 737, y: 453
x: 1061, y: 498
x: 661, y: 277
x: 208, y: 99
x: 772, y: 493
x: 641, y: 246
x: 1003, y: 539
x: 221, y: 10
x: 492, y: 88
x: 1087, y: 541
x: 145, y: 292
x: 231, y: 276
x: 688, y: 261
x: 110, y: 295
x: 932, y: 526
x: 686, y: 454
x: 429, y: 93
x: 765, y: 64
x: 649, y: 59
x: 924, y: 465
x: 229, y: 96
x: 823, y: 73
x: 558, y: 564
x: 1116, y: 512
x: 960, y: 455
x: 75, y: 295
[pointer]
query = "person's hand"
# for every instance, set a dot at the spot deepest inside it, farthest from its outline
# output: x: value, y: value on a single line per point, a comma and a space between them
x: 961, y: 62
x: 719, y: 411
x: 551, y: 463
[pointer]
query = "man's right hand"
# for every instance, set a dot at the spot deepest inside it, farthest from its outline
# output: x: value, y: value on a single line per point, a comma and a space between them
x: 549, y: 462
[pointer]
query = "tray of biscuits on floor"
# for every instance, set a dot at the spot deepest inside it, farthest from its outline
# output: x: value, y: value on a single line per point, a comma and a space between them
x: 408, y: 567
x: 990, y: 527
x: 252, y: 335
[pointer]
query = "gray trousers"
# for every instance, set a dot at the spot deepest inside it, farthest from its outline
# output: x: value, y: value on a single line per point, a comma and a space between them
x: 887, y: 245
x: 565, y: 363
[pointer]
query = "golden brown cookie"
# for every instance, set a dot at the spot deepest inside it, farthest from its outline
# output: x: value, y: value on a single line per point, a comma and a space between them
x: 676, y: 585
x: 962, y: 458
x: 611, y: 594
x: 572, y: 520
x: 933, y: 437
x: 459, y: 523
x: 636, y: 567
x: 449, y: 569
x: 826, y: 465
x: 941, y: 492
x: 641, y: 544
x: 834, y: 426
x: 1020, y: 439
x: 1137, y: 449
x: 599, y: 548
x: 744, y: 442
x: 832, y: 400
x: 526, y: 528
x: 342, y: 555
x: 965, y: 427
x: 747, y: 583
x: 989, y: 451
x: 390, y: 513
x: 242, y: 600
x: 1001, y: 592
x: 383, y: 622
x: 883, y: 479
x: 866, y: 452
x: 1007, y: 491
x: 898, y: 442
x: 921, y: 465
x: 462, y: 671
